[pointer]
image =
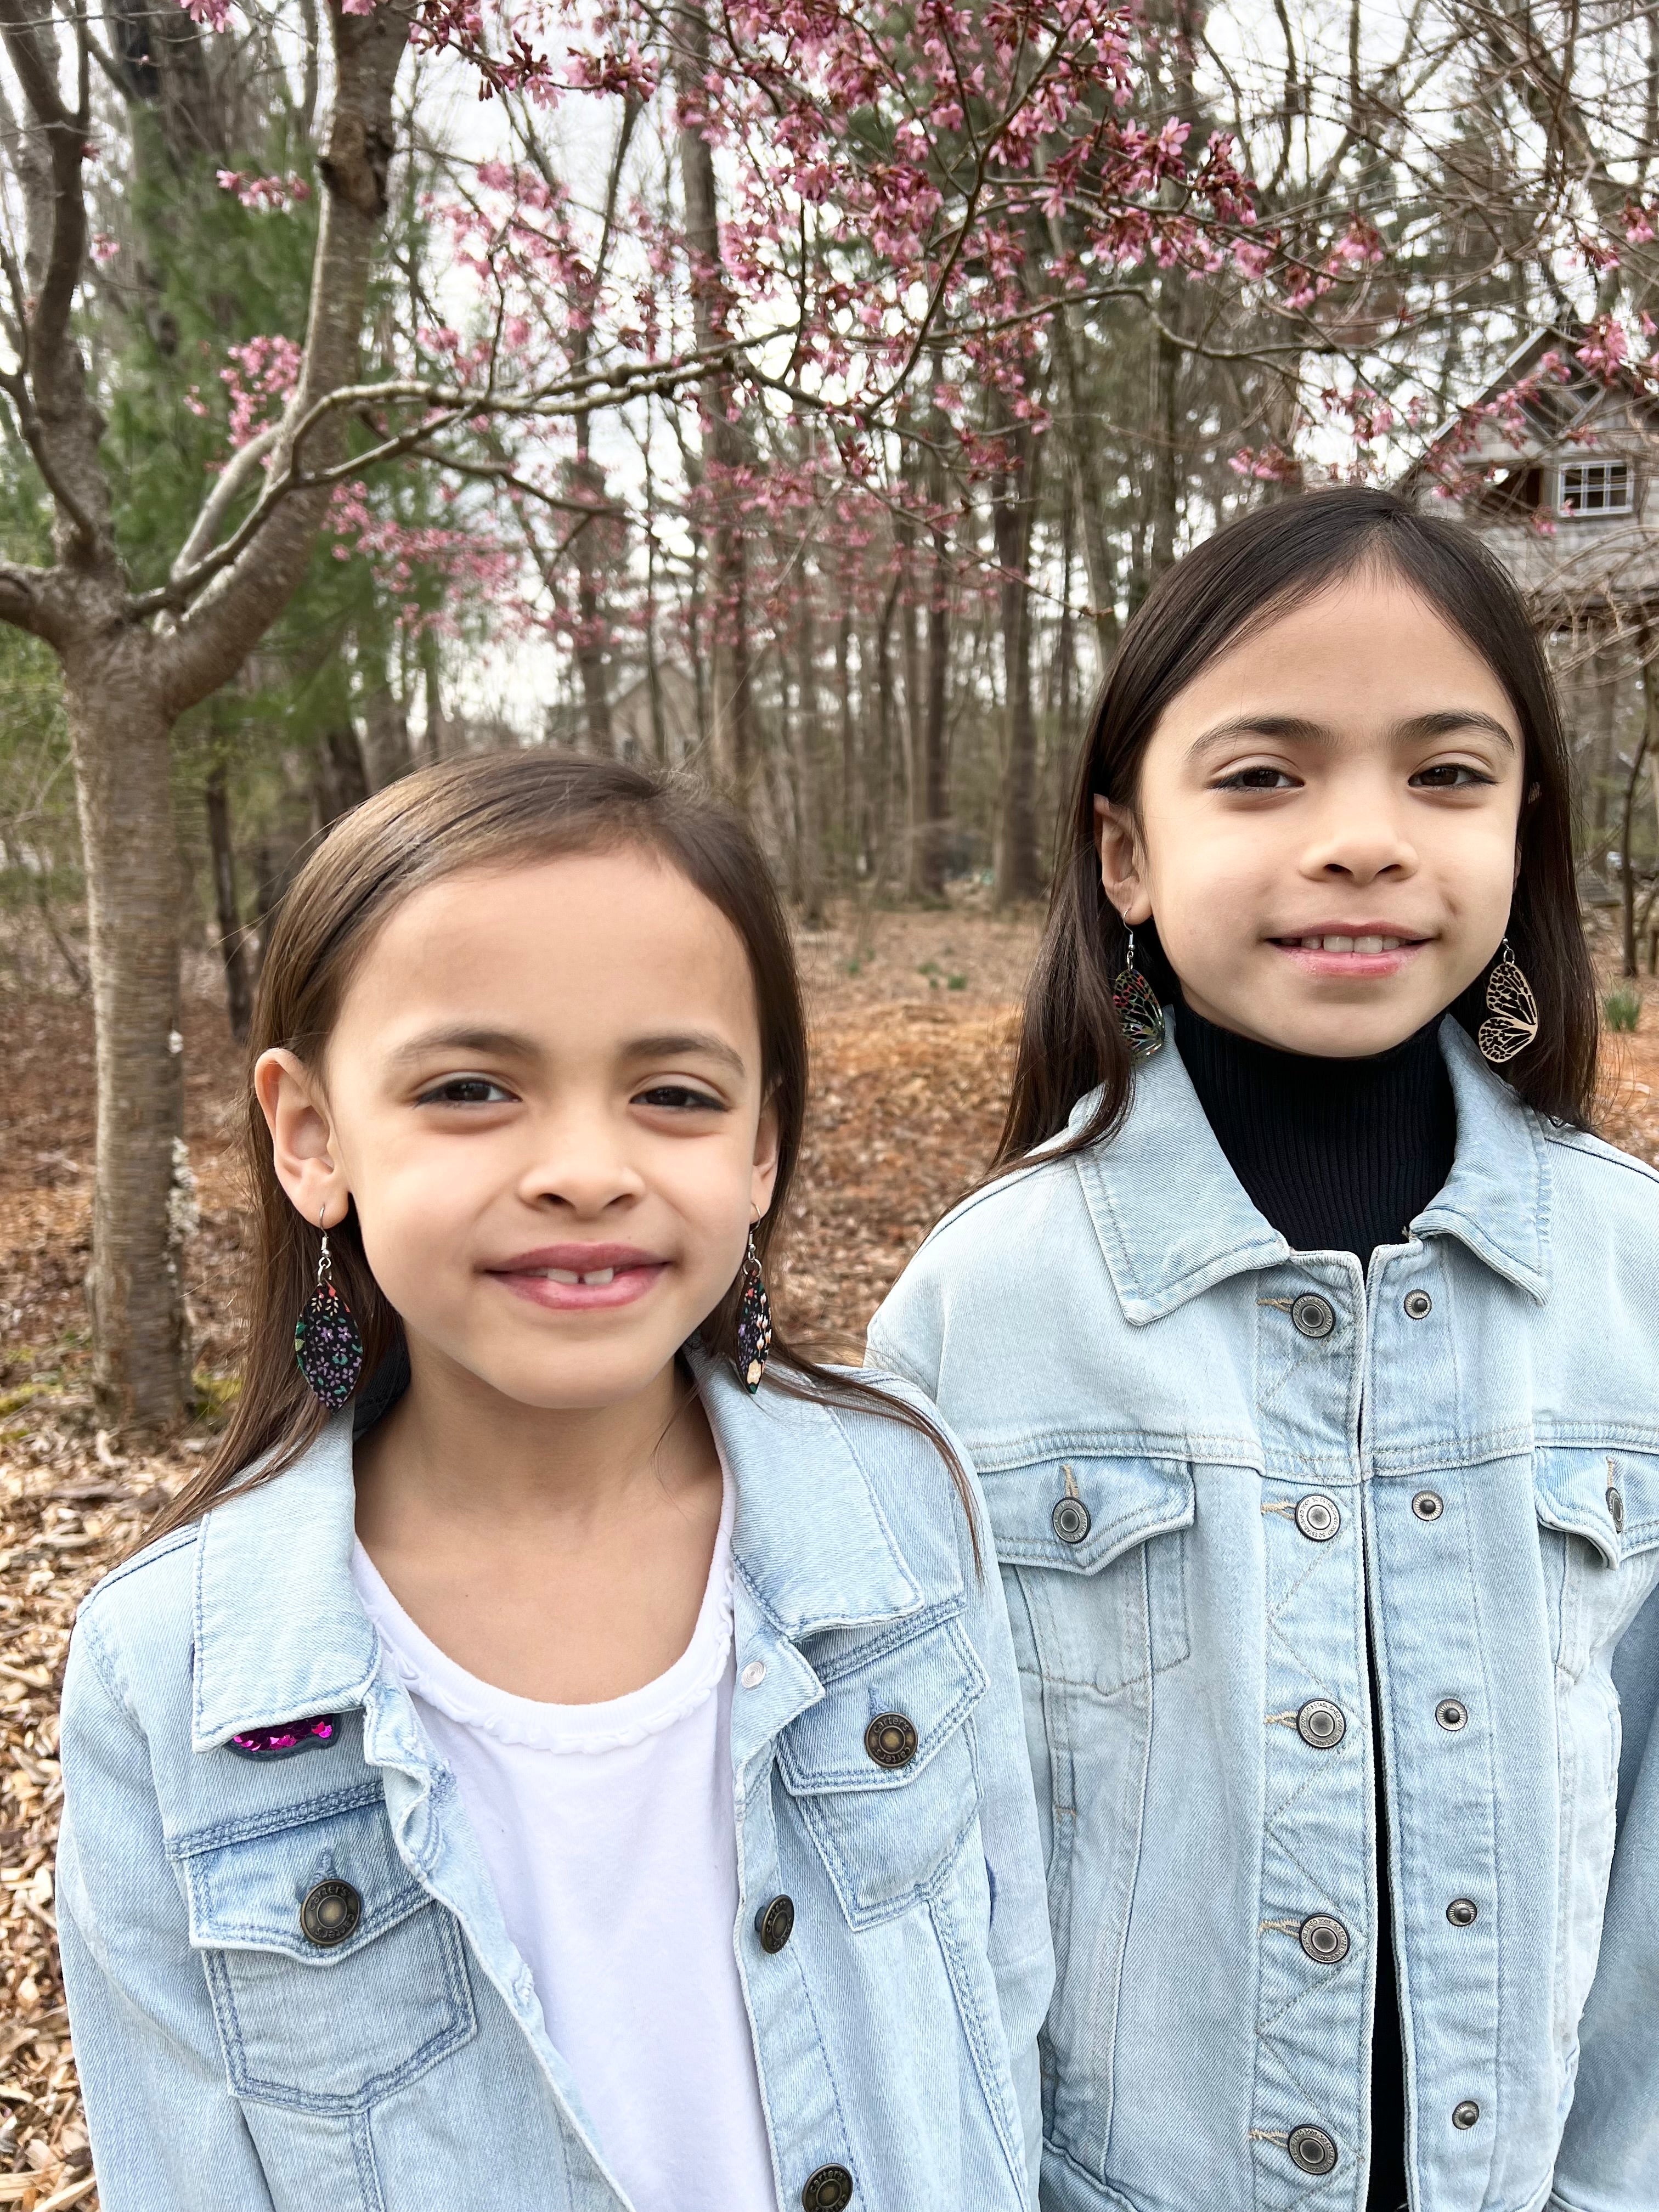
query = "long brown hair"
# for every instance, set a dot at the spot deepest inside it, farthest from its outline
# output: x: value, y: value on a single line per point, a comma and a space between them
x: 1245, y: 575
x: 497, y: 811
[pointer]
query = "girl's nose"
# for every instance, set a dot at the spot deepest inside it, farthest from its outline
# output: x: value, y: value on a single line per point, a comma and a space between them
x: 581, y: 1162
x: 1363, y: 845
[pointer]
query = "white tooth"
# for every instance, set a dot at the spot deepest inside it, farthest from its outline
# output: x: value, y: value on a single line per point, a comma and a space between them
x: 1391, y: 944
x: 1338, y: 943
x: 601, y: 1275
x: 560, y: 1274
x: 1368, y: 944
x: 1313, y: 944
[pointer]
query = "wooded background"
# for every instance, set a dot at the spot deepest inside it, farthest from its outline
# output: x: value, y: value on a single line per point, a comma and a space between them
x: 804, y: 393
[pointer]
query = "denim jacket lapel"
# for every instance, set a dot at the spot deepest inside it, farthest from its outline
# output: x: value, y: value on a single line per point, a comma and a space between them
x: 1173, y: 1220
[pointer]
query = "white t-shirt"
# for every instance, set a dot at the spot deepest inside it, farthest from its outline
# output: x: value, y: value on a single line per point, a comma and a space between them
x: 610, y: 1835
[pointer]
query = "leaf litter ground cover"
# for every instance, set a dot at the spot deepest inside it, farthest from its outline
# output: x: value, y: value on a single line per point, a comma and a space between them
x: 913, y: 1023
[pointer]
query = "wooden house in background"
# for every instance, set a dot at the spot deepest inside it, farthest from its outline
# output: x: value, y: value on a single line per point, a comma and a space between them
x: 1563, y: 486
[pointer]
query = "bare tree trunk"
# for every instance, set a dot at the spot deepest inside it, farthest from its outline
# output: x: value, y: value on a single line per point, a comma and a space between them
x: 232, y: 951
x: 120, y: 730
x: 851, y: 832
x: 1626, y: 872
x: 809, y: 755
x: 930, y: 857
x: 1083, y: 451
x: 890, y: 779
x: 386, y: 754
x: 436, y: 746
x: 724, y: 450
x: 1013, y: 517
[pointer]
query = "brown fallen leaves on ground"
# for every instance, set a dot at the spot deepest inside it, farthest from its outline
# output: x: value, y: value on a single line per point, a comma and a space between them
x: 913, y: 1018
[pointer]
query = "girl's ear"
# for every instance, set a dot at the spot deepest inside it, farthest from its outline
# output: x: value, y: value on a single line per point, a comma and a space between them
x: 1120, y: 862
x: 764, y: 1173
x: 302, y: 1148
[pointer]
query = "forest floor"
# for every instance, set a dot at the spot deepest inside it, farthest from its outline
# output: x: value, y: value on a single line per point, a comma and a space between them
x: 913, y: 1018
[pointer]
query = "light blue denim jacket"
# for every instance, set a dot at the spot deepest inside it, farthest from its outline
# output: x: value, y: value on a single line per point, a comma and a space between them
x: 1122, y: 1331
x: 230, y: 2062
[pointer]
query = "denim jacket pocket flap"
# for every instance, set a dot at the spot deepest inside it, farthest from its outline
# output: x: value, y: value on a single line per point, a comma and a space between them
x: 1609, y: 1498
x: 310, y: 2016
x: 885, y: 1827
x: 1083, y: 1511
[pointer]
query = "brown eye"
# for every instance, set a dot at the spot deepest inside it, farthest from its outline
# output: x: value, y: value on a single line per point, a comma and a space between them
x: 1449, y: 776
x: 465, y: 1091
x: 1258, y: 779
x: 679, y: 1097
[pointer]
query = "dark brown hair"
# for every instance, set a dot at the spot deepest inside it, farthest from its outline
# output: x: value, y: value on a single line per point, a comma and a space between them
x: 500, y: 810
x: 1245, y: 575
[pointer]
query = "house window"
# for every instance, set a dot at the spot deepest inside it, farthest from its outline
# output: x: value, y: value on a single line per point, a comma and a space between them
x: 1597, y: 488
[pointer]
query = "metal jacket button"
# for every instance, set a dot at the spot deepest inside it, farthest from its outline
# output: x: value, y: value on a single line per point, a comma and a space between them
x: 890, y: 1741
x: 1318, y: 1518
x: 1071, y: 1520
x: 1428, y: 1505
x: 1314, y: 1316
x: 1321, y: 1724
x: 1466, y: 2114
x: 1312, y: 2149
x: 1461, y: 1911
x: 1452, y: 1714
x: 1616, y: 1507
x: 1324, y: 1940
x: 753, y: 1674
x: 830, y: 2190
x: 1418, y: 1306
x: 330, y: 1913
x: 774, y: 1923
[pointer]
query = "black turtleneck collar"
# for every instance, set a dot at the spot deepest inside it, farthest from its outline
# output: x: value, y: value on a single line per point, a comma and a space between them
x: 1339, y: 1154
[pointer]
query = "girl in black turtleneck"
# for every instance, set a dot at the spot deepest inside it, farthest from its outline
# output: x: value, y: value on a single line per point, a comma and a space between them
x: 1304, y: 1340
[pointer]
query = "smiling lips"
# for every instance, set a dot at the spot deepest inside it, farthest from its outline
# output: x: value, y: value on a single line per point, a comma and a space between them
x: 1360, y: 949
x: 581, y: 1278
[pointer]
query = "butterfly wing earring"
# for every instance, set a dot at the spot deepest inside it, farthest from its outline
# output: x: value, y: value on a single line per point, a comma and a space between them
x: 1511, y: 1022
x: 1139, y: 1015
x: 754, y: 1321
x: 326, y: 1344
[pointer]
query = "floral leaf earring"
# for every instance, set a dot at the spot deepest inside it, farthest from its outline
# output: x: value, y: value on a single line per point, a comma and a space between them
x: 1511, y: 1021
x: 754, y: 1321
x: 1139, y: 1013
x: 326, y: 1344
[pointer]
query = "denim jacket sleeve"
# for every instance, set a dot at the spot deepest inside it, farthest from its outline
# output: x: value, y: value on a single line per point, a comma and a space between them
x: 1609, y: 2156
x: 164, y: 2129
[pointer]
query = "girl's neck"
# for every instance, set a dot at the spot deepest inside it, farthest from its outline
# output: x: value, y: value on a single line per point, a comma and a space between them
x: 451, y: 1447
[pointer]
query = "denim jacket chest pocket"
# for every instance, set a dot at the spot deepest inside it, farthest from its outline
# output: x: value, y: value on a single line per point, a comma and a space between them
x: 1598, y: 1513
x: 310, y: 2017
x: 1097, y: 1548
x: 881, y: 1768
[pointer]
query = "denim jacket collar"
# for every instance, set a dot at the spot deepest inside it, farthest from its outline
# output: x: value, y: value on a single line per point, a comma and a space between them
x: 310, y: 1648
x: 1167, y: 1234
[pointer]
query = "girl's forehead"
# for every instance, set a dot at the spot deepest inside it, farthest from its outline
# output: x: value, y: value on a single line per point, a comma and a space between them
x: 592, y: 937
x: 1366, y: 649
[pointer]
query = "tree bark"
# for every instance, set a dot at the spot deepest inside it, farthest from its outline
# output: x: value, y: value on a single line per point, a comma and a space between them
x: 1013, y: 517
x: 809, y: 727
x: 724, y: 449
x: 232, y: 951
x: 120, y: 730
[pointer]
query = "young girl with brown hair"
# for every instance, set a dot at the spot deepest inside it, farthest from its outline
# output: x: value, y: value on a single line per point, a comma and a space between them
x: 562, y: 1752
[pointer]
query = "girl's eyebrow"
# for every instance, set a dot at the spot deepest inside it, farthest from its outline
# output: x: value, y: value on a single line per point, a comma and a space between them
x: 501, y: 1044
x: 1294, y: 729
x: 510, y: 1044
x: 678, y: 1044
